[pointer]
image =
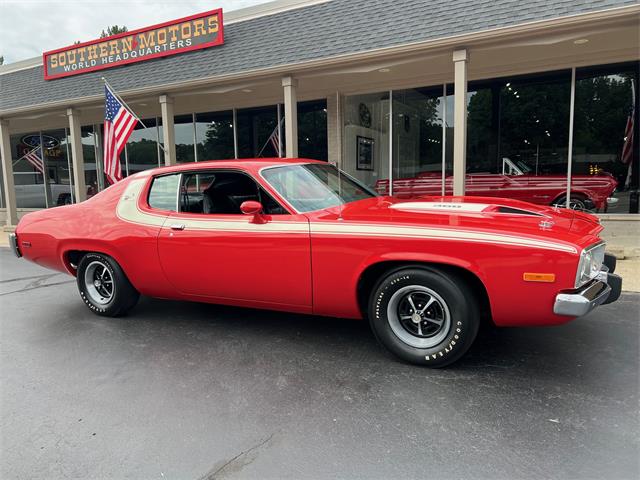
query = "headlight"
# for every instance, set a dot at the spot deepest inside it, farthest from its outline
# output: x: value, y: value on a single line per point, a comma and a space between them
x: 591, y: 261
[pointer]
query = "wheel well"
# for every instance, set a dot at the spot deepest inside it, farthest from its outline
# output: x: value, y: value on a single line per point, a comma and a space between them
x: 72, y: 258
x: 373, y: 273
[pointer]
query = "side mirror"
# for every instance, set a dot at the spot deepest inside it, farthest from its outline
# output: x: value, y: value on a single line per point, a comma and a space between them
x: 251, y: 207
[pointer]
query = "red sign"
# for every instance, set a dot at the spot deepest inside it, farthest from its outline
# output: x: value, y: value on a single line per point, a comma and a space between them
x: 190, y: 33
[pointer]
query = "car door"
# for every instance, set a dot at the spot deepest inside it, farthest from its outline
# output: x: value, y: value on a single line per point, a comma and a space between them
x: 210, y: 249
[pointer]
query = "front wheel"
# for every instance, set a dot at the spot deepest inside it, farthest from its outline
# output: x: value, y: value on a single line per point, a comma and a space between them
x: 104, y: 287
x: 424, y: 316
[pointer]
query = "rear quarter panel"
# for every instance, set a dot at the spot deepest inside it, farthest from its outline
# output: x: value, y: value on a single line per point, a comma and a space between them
x: 93, y: 226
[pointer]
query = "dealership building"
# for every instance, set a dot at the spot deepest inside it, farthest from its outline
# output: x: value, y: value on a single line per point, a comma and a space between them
x: 531, y: 100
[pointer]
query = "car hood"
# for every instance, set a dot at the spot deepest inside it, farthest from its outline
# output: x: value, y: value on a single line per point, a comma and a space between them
x: 474, y: 213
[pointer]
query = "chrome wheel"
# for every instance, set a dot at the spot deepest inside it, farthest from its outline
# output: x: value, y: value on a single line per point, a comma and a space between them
x: 99, y: 283
x: 419, y: 316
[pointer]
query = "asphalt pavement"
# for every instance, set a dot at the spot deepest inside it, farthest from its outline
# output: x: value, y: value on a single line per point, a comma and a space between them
x: 193, y: 391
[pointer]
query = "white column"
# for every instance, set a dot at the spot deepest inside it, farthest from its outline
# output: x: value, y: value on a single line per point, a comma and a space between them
x: 77, y: 155
x: 460, y: 59
x: 168, y: 131
x: 7, y: 174
x: 290, y: 116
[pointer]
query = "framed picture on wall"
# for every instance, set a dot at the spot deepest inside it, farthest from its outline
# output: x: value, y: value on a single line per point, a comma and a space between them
x: 364, y: 153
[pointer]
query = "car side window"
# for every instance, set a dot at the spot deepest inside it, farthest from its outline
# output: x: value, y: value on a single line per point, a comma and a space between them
x: 223, y: 192
x: 163, y: 193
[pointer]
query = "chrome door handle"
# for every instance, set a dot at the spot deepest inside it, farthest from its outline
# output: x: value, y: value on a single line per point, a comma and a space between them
x: 177, y: 226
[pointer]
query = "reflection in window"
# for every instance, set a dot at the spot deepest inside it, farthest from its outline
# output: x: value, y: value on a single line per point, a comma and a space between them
x: 214, y: 135
x: 258, y: 131
x: 418, y: 142
x: 142, y: 147
x: 605, y: 154
x: 312, y: 130
x: 366, y: 137
x: 93, y: 171
x: 184, y: 135
x: 42, y: 172
x: 518, y: 136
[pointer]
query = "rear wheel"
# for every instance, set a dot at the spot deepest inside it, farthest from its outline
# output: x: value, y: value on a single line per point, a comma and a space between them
x: 576, y: 202
x: 424, y: 316
x: 104, y: 287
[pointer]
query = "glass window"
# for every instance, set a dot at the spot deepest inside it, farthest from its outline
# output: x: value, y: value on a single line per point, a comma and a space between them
x: 605, y: 156
x: 1, y: 187
x: 93, y: 172
x: 366, y: 139
x: 223, y: 192
x: 42, y: 169
x: 258, y: 132
x: 518, y: 136
x: 184, y: 133
x: 142, y: 147
x: 214, y: 135
x: 312, y: 129
x: 314, y: 186
x: 418, y: 141
x: 163, y: 194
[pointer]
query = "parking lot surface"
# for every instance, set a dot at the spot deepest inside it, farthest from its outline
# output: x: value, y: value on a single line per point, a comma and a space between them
x: 179, y: 390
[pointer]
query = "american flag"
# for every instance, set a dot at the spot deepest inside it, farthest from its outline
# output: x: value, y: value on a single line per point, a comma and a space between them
x: 274, y: 139
x: 627, y: 148
x: 119, y: 122
x: 35, y: 159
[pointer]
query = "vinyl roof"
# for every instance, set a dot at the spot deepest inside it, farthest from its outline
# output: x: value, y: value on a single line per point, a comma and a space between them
x: 308, y: 33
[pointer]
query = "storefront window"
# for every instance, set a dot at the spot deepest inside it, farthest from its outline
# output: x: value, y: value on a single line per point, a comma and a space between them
x: 366, y: 139
x: 312, y: 130
x: 93, y: 171
x: 1, y: 187
x: 142, y: 147
x: 184, y: 134
x: 41, y: 179
x: 418, y: 140
x: 605, y: 149
x: 258, y: 132
x: 214, y: 135
x: 518, y: 136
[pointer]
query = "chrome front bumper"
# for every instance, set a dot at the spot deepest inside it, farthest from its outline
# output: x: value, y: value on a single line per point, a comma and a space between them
x: 605, y: 288
x: 13, y: 243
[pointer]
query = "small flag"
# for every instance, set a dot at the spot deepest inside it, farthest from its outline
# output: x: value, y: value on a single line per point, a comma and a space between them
x: 35, y: 159
x: 119, y: 122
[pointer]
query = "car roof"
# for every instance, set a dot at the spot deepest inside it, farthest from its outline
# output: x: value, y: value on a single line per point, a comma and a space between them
x: 250, y: 164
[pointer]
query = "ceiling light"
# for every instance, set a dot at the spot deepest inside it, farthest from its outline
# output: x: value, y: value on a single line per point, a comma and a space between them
x: 581, y: 41
x: 384, y: 70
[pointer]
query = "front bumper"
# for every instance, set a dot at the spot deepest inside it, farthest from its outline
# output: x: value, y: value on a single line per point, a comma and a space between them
x: 13, y: 243
x: 605, y: 288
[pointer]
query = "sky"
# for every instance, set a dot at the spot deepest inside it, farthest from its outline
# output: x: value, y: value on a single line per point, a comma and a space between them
x: 30, y: 27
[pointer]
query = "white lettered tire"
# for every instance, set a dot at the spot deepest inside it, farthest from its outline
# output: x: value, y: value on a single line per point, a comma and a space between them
x: 104, y: 287
x: 424, y: 316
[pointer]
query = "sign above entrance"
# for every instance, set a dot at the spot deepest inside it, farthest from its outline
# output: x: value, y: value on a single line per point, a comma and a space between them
x: 177, y: 36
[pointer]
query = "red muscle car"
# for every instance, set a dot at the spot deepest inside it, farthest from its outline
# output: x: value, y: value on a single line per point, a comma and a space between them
x: 301, y: 236
x: 588, y: 192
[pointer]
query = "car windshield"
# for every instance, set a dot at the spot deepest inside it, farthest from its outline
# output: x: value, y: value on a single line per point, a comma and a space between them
x: 315, y: 186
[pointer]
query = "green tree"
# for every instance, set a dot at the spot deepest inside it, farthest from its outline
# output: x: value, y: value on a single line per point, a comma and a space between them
x: 113, y: 30
x: 1, y: 60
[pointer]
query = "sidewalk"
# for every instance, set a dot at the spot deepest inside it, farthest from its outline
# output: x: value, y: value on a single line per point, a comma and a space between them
x: 625, y: 248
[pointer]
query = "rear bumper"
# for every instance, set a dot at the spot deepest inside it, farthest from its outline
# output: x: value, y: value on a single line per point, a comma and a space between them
x: 605, y: 288
x: 13, y: 243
